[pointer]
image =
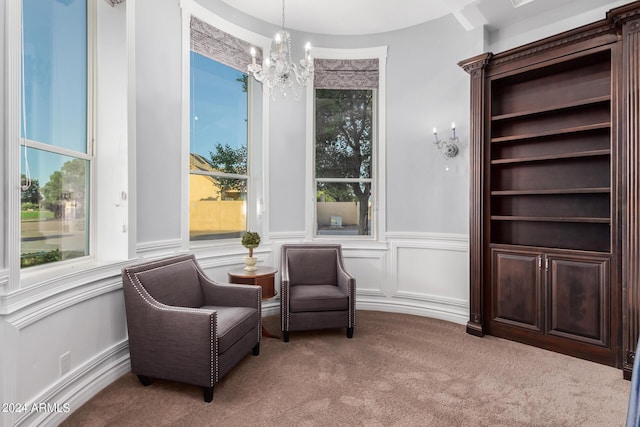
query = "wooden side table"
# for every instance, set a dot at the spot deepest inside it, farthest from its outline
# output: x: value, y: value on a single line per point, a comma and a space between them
x: 263, y: 276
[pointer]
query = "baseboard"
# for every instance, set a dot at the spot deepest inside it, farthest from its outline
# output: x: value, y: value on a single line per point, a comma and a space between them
x: 415, y: 308
x: 56, y: 403
x: 425, y: 308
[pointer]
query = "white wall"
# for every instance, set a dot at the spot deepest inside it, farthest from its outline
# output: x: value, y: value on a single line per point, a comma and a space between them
x: 419, y: 265
x: 288, y: 165
x: 547, y: 24
x: 158, y: 120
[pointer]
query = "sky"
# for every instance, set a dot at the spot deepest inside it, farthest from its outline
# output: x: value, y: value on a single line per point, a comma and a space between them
x: 55, y: 81
x: 218, y: 106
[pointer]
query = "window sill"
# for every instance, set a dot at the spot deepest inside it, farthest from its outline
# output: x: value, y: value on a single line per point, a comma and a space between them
x: 68, y: 272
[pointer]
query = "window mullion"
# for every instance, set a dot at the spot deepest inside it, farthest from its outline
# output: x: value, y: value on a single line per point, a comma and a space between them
x: 344, y: 179
x: 55, y: 149
x: 219, y: 174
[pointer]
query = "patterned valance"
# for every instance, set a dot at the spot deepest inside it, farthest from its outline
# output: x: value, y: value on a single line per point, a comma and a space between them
x: 345, y: 73
x: 220, y: 46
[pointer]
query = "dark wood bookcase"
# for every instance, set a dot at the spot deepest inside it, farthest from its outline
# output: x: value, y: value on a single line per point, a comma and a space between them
x: 550, y: 155
x: 555, y: 193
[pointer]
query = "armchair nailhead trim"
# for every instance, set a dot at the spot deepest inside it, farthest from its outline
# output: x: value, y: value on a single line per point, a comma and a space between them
x: 214, y: 350
x: 259, y: 313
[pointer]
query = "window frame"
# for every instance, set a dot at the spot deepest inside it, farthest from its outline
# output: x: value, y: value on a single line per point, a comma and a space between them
x: 371, y: 180
x: 89, y: 155
x: 257, y: 165
x: 378, y: 152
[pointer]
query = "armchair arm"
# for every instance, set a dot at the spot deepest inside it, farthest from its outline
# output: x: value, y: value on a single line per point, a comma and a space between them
x: 346, y: 282
x: 174, y: 343
x: 284, y: 294
x: 232, y: 295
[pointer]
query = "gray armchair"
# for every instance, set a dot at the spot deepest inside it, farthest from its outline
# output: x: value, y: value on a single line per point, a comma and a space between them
x: 316, y: 292
x: 186, y: 327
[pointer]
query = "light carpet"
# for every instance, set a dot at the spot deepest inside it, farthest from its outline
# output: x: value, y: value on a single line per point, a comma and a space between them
x: 398, y: 370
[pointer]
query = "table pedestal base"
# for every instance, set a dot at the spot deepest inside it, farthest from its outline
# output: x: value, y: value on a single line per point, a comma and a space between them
x: 263, y: 276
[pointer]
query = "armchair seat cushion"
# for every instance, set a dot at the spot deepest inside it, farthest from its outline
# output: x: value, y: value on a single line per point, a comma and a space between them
x: 233, y: 324
x: 317, y: 298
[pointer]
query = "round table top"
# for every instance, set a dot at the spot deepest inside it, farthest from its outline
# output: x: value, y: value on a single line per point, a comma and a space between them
x: 261, y: 271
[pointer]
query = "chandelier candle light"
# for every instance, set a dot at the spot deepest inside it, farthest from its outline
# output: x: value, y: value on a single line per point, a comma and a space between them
x: 449, y: 147
x: 281, y: 75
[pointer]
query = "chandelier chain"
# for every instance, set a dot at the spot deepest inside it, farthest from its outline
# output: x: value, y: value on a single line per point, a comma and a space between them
x: 282, y: 15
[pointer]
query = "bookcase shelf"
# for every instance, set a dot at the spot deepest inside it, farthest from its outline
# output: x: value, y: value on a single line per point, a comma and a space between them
x: 551, y: 191
x: 548, y: 157
x: 533, y: 135
x: 553, y: 108
x: 550, y: 219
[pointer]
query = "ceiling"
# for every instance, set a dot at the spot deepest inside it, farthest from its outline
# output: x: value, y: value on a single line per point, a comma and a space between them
x: 351, y: 17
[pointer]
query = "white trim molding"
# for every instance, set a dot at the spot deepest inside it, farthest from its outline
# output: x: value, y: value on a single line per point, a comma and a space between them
x: 4, y: 279
x: 13, y: 53
x: 159, y: 248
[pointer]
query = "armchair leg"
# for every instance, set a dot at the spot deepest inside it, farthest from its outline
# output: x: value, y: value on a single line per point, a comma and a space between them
x: 285, y: 336
x: 349, y: 332
x: 144, y: 380
x: 256, y: 349
x: 208, y: 394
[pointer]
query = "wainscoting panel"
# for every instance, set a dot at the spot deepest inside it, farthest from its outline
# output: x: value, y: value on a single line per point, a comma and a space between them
x: 72, y: 391
x: 83, y: 330
x: 81, y: 313
x: 431, y: 271
x: 428, y: 276
x: 369, y: 269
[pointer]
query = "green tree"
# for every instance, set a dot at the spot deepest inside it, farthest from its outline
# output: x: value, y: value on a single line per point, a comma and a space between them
x: 244, y: 80
x: 344, y: 131
x: 230, y: 160
x: 32, y: 194
x: 67, y: 184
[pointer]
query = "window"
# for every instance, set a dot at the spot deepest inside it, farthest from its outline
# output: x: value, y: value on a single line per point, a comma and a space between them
x: 225, y: 113
x: 56, y: 157
x: 343, y: 160
x: 218, y: 150
x: 345, y: 146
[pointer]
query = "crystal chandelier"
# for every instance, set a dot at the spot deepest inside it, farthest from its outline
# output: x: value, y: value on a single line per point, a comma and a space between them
x: 281, y: 75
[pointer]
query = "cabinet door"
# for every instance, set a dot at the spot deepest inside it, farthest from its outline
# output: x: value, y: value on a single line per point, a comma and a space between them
x: 516, y: 290
x: 579, y: 298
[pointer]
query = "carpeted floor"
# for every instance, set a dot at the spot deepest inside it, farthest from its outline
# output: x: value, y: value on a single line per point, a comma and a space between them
x: 398, y: 370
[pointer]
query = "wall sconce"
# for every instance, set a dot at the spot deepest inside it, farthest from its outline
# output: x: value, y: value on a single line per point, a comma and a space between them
x: 448, y: 147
